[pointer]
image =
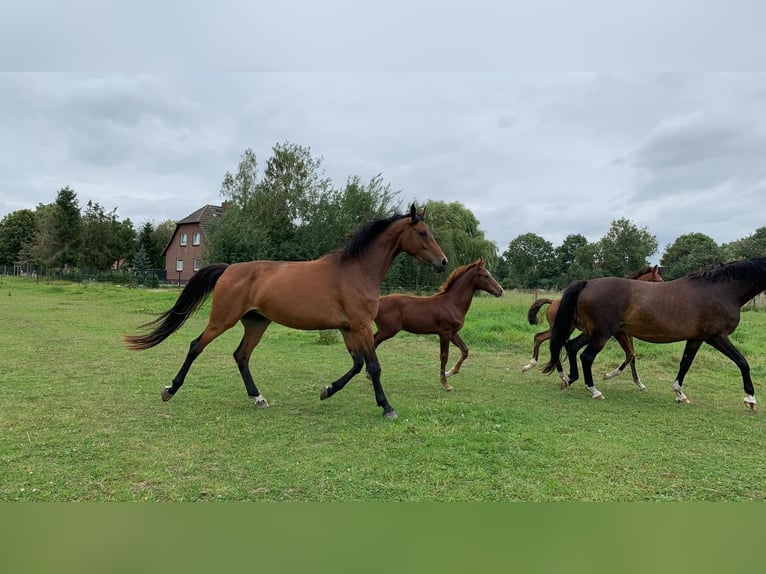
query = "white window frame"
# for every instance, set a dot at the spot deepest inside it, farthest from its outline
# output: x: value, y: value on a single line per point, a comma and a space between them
x: 183, y: 239
x: 196, y: 238
x: 179, y: 264
x: 197, y: 263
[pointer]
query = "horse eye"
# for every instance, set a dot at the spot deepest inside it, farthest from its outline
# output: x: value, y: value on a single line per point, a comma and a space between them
x: 422, y: 233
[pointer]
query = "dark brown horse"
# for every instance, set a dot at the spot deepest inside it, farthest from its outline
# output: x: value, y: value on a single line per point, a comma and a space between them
x: 702, y: 307
x: 649, y: 273
x: 337, y: 291
x: 442, y: 314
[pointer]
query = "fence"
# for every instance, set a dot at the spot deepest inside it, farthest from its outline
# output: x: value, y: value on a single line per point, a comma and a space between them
x: 148, y: 278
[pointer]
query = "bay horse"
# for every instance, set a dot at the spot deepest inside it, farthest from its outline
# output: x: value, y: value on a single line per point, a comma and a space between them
x: 337, y: 291
x: 649, y: 273
x: 701, y: 307
x: 441, y: 314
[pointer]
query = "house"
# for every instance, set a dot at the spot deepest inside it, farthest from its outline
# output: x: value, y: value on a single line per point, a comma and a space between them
x: 183, y: 253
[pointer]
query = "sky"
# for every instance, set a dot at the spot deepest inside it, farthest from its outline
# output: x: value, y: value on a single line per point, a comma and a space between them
x: 552, y: 153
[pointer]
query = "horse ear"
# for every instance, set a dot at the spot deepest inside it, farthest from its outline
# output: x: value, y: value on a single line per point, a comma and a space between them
x: 413, y: 213
x: 423, y: 213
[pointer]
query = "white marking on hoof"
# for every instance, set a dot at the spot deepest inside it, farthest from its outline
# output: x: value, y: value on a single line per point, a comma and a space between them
x: 641, y: 386
x: 680, y: 396
x: 611, y: 374
x: 261, y: 402
x: 390, y: 415
x: 449, y: 373
x: 595, y: 393
x: 750, y: 402
x: 529, y: 365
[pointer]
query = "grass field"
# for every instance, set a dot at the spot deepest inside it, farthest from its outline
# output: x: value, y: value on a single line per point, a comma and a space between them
x: 81, y: 417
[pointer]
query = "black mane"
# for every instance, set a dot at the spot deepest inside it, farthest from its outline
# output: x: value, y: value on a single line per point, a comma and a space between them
x: 733, y: 271
x: 366, y: 234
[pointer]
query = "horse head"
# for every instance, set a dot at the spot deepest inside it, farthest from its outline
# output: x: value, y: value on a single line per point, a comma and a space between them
x: 418, y: 241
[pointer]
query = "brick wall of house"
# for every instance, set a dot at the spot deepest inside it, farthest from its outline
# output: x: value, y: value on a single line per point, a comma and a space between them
x: 182, y: 252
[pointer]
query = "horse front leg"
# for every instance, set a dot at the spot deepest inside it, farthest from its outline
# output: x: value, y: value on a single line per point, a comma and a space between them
x: 362, y: 349
x: 690, y: 351
x: 443, y: 358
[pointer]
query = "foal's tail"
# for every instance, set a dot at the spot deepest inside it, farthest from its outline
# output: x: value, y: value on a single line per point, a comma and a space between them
x: 534, y: 309
x: 562, y: 325
x: 193, y: 295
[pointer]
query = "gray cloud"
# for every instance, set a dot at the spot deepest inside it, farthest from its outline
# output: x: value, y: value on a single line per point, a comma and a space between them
x: 551, y: 154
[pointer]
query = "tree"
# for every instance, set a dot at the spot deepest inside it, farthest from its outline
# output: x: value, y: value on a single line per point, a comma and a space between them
x: 42, y: 248
x: 574, y: 259
x: 263, y: 216
x: 66, y: 227
x: 336, y: 214
x: 751, y: 246
x: 150, y: 242
x: 16, y: 229
x: 125, y: 242
x: 98, y: 239
x: 625, y: 248
x: 141, y: 265
x: 689, y: 252
x: 531, y: 262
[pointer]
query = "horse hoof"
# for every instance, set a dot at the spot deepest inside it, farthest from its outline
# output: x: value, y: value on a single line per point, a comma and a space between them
x: 165, y: 394
x: 324, y: 393
x: 750, y: 404
x: 449, y: 388
x: 683, y: 401
x: 390, y: 414
x: 261, y: 402
x: 599, y: 397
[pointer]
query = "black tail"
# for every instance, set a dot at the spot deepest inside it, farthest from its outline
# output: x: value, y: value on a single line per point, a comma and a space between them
x: 534, y: 309
x: 562, y: 326
x: 193, y: 295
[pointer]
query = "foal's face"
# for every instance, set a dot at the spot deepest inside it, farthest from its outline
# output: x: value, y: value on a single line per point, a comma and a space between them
x: 418, y: 241
x: 484, y: 281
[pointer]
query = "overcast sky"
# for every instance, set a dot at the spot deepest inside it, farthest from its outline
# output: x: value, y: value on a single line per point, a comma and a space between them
x: 548, y: 153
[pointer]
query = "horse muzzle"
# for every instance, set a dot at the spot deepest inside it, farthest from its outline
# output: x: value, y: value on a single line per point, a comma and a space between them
x: 439, y: 265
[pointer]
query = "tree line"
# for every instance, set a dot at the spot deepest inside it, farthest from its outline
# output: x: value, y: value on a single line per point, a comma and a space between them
x: 288, y: 209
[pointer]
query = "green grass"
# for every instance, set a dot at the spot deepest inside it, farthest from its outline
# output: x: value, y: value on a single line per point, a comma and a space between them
x: 81, y: 417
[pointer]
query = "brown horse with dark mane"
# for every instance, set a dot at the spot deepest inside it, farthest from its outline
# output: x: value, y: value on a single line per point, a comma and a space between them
x: 649, y: 273
x: 337, y: 291
x: 441, y: 314
x: 701, y: 307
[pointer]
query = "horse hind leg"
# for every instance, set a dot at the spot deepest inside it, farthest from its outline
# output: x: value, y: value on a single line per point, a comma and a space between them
x: 725, y: 346
x: 587, y: 357
x: 540, y: 338
x: 460, y: 344
x: 626, y: 342
x: 690, y: 351
x: 255, y: 326
x: 195, y: 349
